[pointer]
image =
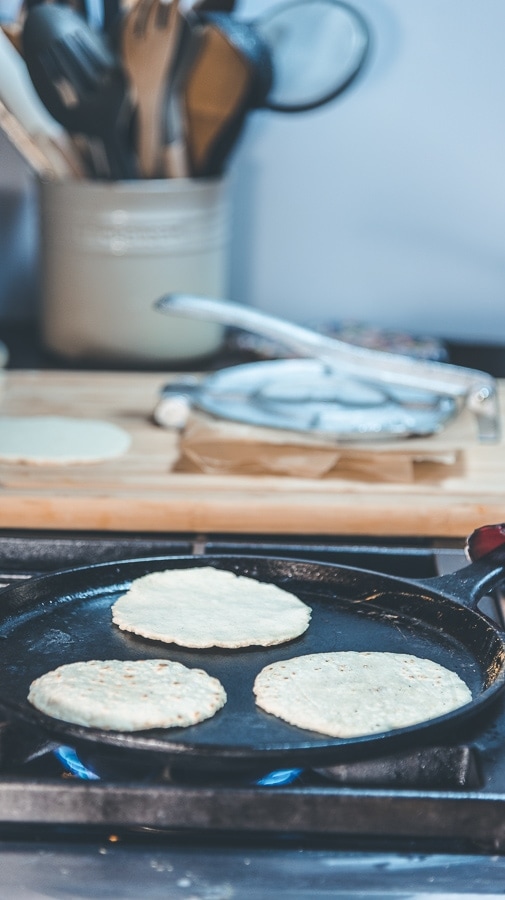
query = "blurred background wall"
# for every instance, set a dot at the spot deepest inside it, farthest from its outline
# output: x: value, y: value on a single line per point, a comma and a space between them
x: 385, y: 206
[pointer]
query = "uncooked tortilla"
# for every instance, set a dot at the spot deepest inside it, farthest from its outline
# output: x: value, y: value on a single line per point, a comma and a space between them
x: 59, y: 440
x: 350, y: 694
x: 128, y: 695
x: 207, y: 607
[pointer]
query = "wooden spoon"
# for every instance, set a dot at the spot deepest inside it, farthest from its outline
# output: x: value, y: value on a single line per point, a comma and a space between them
x: 231, y: 74
x: 149, y: 41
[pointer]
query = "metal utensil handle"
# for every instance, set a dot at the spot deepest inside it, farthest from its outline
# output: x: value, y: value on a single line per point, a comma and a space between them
x: 477, y: 389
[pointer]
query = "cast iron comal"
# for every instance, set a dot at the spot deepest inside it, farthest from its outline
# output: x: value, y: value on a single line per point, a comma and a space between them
x: 66, y: 616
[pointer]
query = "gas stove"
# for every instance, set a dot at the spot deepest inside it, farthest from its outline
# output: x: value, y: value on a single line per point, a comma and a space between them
x: 423, y: 824
x: 450, y: 795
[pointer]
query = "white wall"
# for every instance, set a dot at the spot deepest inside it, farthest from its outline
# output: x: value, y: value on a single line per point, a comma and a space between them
x: 386, y: 205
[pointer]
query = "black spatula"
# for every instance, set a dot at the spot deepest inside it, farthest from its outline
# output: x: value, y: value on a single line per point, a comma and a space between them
x: 81, y: 83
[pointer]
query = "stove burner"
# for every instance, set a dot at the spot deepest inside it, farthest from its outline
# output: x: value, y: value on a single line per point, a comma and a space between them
x: 90, y: 771
x: 73, y: 765
x: 279, y: 776
x: 447, y: 767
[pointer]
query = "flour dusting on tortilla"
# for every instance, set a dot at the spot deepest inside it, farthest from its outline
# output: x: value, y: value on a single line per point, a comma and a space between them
x: 128, y: 695
x: 350, y: 694
x: 207, y: 607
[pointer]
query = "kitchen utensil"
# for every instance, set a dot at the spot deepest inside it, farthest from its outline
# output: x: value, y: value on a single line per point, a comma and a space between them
x: 311, y: 50
x: 82, y: 85
x: 306, y: 396
x: 174, y: 155
x: 100, y: 14
x: 30, y: 151
x: 111, y: 15
x: 85, y: 8
x: 214, y: 6
x: 317, y: 48
x: 4, y: 355
x: 23, y: 103
x: 65, y: 617
x: 483, y: 540
x: 474, y: 388
x: 248, y: 43
x: 218, y: 91
x: 149, y: 40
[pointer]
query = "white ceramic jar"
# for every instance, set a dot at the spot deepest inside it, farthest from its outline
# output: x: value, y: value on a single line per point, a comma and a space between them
x: 109, y: 250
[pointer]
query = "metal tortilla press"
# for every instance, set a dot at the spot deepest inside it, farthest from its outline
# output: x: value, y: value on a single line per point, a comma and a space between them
x: 330, y: 388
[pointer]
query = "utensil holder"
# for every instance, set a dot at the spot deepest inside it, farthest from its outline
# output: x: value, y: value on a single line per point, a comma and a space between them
x: 110, y: 249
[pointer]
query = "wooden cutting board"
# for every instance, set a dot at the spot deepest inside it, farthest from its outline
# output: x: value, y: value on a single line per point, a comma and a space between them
x: 140, y: 492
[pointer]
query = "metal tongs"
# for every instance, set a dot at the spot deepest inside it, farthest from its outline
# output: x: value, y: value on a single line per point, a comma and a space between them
x: 467, y: 387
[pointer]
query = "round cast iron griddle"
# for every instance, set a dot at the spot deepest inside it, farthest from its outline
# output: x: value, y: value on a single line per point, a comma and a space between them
x: 66, y: 617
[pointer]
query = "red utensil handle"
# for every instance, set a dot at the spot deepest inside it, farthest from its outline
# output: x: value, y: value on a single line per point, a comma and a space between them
x: 483, y: 540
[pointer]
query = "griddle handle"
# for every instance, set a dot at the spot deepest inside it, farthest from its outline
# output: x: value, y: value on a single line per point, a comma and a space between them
x: 469, y: 584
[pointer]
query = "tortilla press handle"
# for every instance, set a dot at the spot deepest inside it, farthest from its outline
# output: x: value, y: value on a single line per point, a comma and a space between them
x: 174, y: 405
x: 476, y: 389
